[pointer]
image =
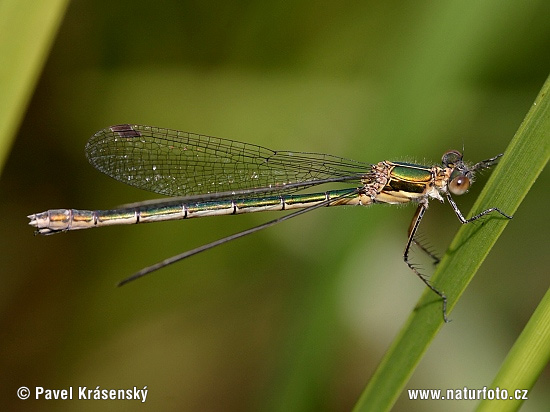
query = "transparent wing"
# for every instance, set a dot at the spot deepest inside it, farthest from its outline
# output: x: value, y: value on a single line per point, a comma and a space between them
x: 176, y: 163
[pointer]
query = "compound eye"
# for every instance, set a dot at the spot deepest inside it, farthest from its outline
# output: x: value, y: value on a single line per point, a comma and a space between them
x: 459, y: 185
x: 451, y: 157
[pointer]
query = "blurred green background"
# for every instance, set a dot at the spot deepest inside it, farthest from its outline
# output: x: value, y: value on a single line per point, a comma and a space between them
x: 296, y: 317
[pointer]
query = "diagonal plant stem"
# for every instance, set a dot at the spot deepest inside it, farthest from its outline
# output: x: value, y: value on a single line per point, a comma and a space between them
x: 524, y: 363
x: 526, y: 155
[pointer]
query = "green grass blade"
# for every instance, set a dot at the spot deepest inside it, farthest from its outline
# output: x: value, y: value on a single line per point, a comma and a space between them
x: 27, y: 30
x: 526, y: 155
x: 525, y: 361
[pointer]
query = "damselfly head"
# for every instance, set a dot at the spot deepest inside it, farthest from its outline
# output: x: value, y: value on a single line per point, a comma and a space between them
x: 461, y: 176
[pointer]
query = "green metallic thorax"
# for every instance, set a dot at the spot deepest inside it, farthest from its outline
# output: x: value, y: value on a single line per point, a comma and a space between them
x: 410, y: 178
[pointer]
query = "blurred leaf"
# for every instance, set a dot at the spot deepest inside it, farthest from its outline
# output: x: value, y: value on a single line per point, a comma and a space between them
x: 27, y: 30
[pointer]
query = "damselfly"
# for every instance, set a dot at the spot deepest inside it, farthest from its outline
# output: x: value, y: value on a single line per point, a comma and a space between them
x: 214, y: 176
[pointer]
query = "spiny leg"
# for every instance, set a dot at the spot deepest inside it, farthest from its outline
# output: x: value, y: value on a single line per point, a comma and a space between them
x: 412, y: 232
x: 426, y: 250
x: 417, y: 241
x: 463, y: 220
